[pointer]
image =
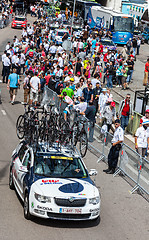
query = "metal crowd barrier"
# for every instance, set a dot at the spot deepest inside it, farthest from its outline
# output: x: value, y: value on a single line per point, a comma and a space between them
x: 130, y: 164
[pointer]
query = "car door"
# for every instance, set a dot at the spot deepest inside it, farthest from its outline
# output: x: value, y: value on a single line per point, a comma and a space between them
x: 16, y: 166
x: 23, y: 169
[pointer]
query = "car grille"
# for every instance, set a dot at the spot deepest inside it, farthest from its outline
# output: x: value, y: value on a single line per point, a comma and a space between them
x: 67, y: 203
x: 68, y: 216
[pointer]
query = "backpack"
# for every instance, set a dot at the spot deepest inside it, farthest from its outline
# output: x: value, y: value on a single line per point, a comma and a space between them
x: 31, y: 53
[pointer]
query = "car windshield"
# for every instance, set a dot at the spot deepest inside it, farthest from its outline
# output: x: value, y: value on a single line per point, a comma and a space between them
x: 62, y: 33
x: 19, y: 19
x: 59, y: 166
x: 123, y: 24
x: 107, y: 43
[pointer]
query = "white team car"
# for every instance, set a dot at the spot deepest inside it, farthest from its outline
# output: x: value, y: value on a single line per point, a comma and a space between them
x: 59, y: 35
x: 53, y: 183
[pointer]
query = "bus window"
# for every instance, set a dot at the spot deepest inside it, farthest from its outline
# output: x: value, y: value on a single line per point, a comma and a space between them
x: 107, y: 24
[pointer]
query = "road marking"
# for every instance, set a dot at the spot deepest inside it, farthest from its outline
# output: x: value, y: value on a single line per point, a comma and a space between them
x: 3, y: 112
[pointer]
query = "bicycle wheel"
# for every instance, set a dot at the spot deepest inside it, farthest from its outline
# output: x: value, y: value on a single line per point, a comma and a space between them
x: 65, y: 133
x: 20, y: 127
x: 74, y: 134
x: 83, y: 145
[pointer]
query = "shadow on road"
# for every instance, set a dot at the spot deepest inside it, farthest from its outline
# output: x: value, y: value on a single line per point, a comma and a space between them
x: 3, y: 171
x: 66, y: 223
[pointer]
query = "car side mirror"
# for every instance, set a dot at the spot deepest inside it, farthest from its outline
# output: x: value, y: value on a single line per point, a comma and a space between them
x: 93, y: 172
x: 23, y: 169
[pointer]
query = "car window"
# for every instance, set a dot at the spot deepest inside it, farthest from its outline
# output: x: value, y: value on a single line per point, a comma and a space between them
x: 19, y: 19
x: 27, y: 159
x: 56, y: 166
x: 22, y: 152
x: 107, y: 43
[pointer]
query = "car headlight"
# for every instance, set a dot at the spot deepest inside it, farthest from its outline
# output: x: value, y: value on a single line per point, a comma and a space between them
x: 94, y: 201
x: 42, y: 199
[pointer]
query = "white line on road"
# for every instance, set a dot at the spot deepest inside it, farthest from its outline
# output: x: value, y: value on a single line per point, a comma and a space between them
x: 3, y: 112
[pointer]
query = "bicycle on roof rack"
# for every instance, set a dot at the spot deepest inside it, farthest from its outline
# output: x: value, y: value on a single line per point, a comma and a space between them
x: 48, y: 125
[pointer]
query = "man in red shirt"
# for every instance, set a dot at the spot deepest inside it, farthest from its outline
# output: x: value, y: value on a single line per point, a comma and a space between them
x: 125, y: 110
x: 147, y: 66
x: 100, y: 48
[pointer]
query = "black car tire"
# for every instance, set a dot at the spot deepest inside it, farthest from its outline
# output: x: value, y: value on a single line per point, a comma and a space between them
x: 96, y: 220
x: 27, y: 214
x: 11, y: 184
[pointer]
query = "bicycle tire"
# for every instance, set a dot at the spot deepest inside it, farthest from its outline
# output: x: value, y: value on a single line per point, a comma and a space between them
x: 74, y: 134
x: 65, y: 133
x: 83, y: 144
x: 20, y: 127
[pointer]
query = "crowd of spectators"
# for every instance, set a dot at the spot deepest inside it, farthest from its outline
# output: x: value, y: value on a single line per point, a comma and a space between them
x: 83, y: 76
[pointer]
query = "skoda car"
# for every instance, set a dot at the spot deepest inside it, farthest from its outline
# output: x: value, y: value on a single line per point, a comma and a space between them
x: 19, y: 22
x: 53, y: 183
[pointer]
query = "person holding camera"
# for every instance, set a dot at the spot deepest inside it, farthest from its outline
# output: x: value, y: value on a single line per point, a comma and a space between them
x: 13, y: 85
x: 125, y: 111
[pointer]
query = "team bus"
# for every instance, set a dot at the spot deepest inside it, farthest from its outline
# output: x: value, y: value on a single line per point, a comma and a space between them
x: 121, y: 25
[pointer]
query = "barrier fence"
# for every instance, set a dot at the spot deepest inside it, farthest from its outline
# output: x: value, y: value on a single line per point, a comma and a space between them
x: 131, y: 164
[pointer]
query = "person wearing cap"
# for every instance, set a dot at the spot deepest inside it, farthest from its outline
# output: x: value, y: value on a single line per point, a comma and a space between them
x: 72, y: 85
x: 67, y: 78
x: 109, y: 114
x: 116, y: 141
x: 102, y: 101
x: 125, y: 111
x: 142, y: 138
x: 146, y: 117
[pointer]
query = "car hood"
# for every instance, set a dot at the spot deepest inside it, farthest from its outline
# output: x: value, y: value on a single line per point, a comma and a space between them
x: 60, y: 187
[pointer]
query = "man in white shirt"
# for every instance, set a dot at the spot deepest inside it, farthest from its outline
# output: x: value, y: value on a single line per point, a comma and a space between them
x: 3, y: 57
x: 13, y: 60
x: 113, y: 155
x: 7, y: 65
x: 82, y: 106
x: 60, y: 49
x: 60, y: 60
x: 102, y: 101
x: 53, y: 50
x: 142, y: 138
x: 22, y: 61
x: 35, y: 88
x: 58, y: 72
x: 7, y: 46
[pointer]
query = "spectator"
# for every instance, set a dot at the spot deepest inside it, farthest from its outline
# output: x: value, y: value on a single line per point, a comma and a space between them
x: 90, y: 113
x: 125, y: 111
x: 113, y: 155
x: 142, y: 138
x: 13, y: 84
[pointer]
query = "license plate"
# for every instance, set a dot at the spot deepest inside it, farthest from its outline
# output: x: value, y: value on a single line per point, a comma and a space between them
x: 70, y: 210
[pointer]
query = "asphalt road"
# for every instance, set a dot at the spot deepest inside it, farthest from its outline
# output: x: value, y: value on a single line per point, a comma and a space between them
x: 123, y: 216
